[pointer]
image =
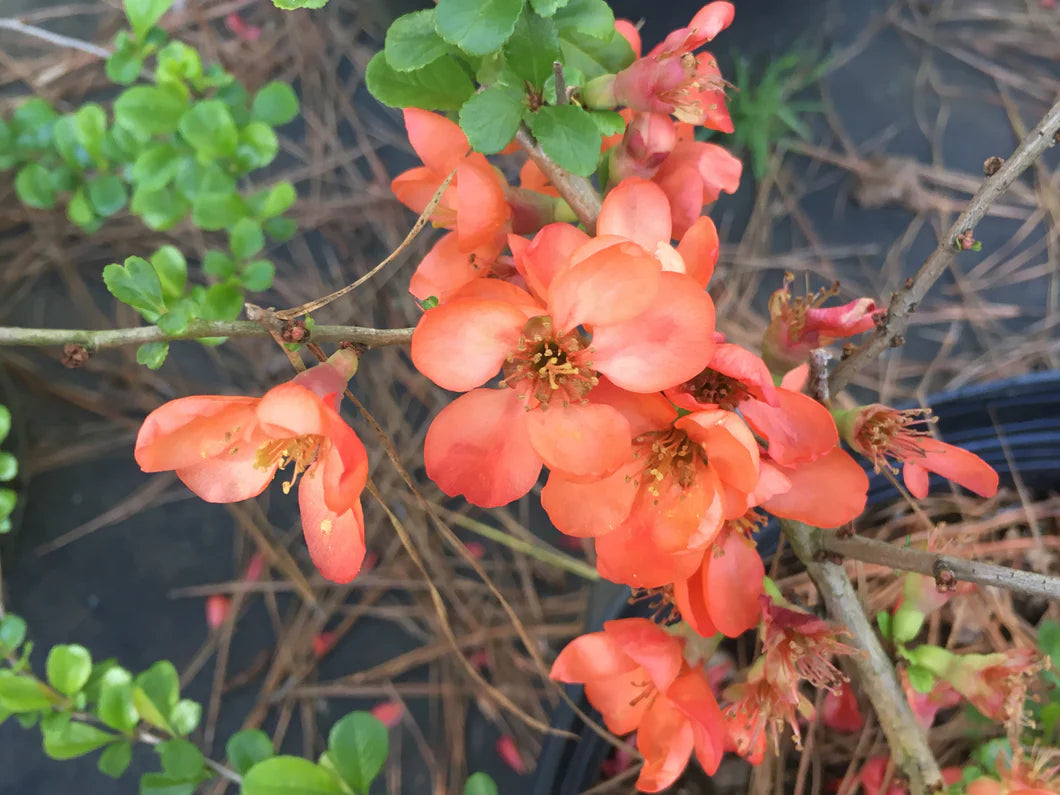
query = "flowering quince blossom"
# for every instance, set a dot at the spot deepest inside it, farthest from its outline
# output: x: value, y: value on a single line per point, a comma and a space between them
x: 880, y: 433
x: 635, y: 674
x: 671, y: 79
x: 926, y: 706
x: 595, y: 307
x: 1021, y: 777
x: 798, y: 325
x: 874, y: 771
x: 840, y: 710
x: 228, y: 448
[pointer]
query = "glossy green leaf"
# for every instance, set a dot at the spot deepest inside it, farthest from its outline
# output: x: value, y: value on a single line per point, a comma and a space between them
x: 157, y: 689
x: 181, y: 759
x: 68, y: 667
x: 594, y: 56
x: 115, y: 759
x: 569, y: 136
x: 175, y: 321
x: 290, y: 775
x: 74, y: 739
x: 67, y: 145
x: 291, y: 5
x: 477, y: 27
x: 161, y: 784
x: 920, y: 678
x: 246, y: 748
x: 491, y: 117
x: 90, y: 125
x: 32, y: 124
x: 480, y: 784
x: 143, y: 14
x: 412, y: 41
x: 178, y: 61
x: 222, y: 302
x: 12, y: 627
x: 79, y: 210
x: 115, y: 707
x: 258, y: 275
x: 443, y: 84
x: 159, y: 209
x: 608, y: 122
x: 278, y: 200
x: 8, y: 466
x: 23, y: 693
x: 213, y: 211
x: 209, y: 128
x: 8, y: 498
x: 547, y: 8
x: 152, y: 355
x: 135, y: 283
x: 591, y: 17
x: 185, y: 716
x: 258, y: 145
x: 280, y: 229
x: 245, y: 238
x: 219, y: 264
x: 275, y: 104
x: 533, y: 48
x: 358, y: 746
x: 155, y: 167
x: 172, y: 271
x: 149, y: 110
x: 1049, y: 640
x: 123, y: 67
x: 195, y: 178
x: 35, y: 187
x: 107, y: 194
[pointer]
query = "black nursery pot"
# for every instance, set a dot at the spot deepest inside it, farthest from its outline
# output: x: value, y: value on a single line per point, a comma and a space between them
x: 1020, y: 415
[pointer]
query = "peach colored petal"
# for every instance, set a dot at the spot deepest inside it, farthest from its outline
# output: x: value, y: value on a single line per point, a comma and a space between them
x: 186, y: 431
x: 440, y: 143
x: 548, y: 254
x: 691, y: 600
x: 744, y: 366
x: 699, y: 248
x: 416, y: 187
x: 729, y: 444
x: 799, y: 429
x: 683, y: 187
x: 481, y: 210
x: 497, y: 290
x: 229, y: 477
x: 667, y: 344
x: 479, y: 446
x: 691, y: 694
x: 447, y: 268
x: 594, y: 655
x: 335, y: 540
x: 956, y: 464
x: 654, y: 649
x: 827, y: 492
x: 629, y: 32
x: 585, y: 442
x: 734, y: 581
x: 590, y: 509
x: 463, y: 343
x: 916, y: 479
x: 290, y: 410
x: 643, y: 411
x: 611, y: 286
x: 637, y: 210
x: 344, y: 467
x: 628, y: 555
x: 616, y: 699
x: 665, y: 739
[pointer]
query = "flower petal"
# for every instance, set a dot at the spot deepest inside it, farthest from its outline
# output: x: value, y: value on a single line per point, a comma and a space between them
x: 745, y: 367
x: 699, y: 248
x: 637, y: 210
x: 447, y: 268
x: 548, y: 254
x: 729, y: 444
x: 594, y: 655
x: 691, y: 694
x: 798, y: 428
x: 463, y: 343
x: 643, y: 411
x: 478, y: 446
x: 229, y: 477
x: 186, y: 431
x: 827, y: 492
x: 291, y: 409
x: 665, y: 739
x: 611, y: 286
x: 690, y: 596
x: 440, y: 143
x: 654, y: 649
x: 630, y: 556
x: 620, y: 700
x: 956, y: 464
x: 585, y: 510
x: 733, y: 581
x: 335, y: 540
x: 481, y: 211
x: 416, y: 187
x: 666, y: 345
x: 344, y: 469
x: 586, y: 442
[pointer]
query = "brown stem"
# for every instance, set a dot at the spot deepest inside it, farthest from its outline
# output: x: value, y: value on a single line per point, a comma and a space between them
x: 873, y: 668
x: 577, y: 191
x: 905, y: 301
x: 935, y: 565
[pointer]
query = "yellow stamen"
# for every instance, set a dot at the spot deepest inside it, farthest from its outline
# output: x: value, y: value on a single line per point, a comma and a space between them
x: 302, y: 450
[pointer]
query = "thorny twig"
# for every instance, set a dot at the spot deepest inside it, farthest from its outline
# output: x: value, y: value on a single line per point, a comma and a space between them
x: 906, y: 300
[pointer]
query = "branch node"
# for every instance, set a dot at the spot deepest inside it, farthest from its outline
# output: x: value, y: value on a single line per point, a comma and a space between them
x: 945, y: 578
x: 75, y: 355
x: 294, y: 330
x: 897, y: 341
x: 992, y: 165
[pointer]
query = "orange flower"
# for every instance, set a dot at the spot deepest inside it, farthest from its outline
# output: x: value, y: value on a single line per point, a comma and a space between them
x: 670, y: 79
x: 591, y: 311
x: 880, y: 433
x: 758, y: 710
x: 1040, y: 776
x: 799, y: 325
x: 229, y: 448
x: 660, y: 510
x: 635, y: 674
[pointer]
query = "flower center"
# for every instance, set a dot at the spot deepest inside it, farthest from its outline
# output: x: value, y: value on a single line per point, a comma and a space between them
x: 716, y: 388
x: 660, y: 601
x: 302, y: 451
x: 794, y: 310
x: 668, y: 454
x: 891, y: 433
x: 548, y: 366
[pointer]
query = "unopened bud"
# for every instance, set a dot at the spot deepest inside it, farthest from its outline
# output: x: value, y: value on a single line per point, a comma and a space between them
x: 74, y: 356
x: 992, y: 165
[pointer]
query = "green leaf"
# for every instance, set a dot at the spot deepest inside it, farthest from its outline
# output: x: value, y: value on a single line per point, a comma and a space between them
x: 12, y: 627
x: 195, y: 178
x: 209, y: 128
x: 591, y: 17
x: 222, y: 302
x: 213, y: 211
x: 175, y: 320
x: 33, y: 122
x: 358, y: 746
x: 480, y: 784
x: 246, y: 748
x: 258, y: 275
x: 883, y: 621
x: 258, y: 145
x: 413, y: 42
x: 90, y: 125
x: 123, y: 67
x: 280, y: 229
x: 66, y: 144
x: 34, y: 186
x: 533, y: 48
x: 107, y: 194
x: 159, y: 209
x: 219, y: 264
x: 178, y: 62
x: 156, y: 690
x: 1048, y: 637
x: 161, y: 784
x: 185, y: 716
x: 443, y: 84
x: 155, y: 167
x: 245, y: 238
x: 569, y: 136
x: 547, y: 8
x: 143, y: 14
x: 595, y: 56
x: 275, y: 104
x: 8, y: 466
x: 278, y: 200
x: 8, y: 498
x: 608, y: 122
x: 152, y: 355
x: 115, y: 707
x: 491, y: 117
x: 290, y: 5
x: 135, y: 283
x: 115, y: 759
x: 68, y: 668
x: 290, y: 775
x: 921, y: 678
x: 181, y: 759
x: 74, y: 739
x: 477, y: 27
x: 172, y: 271
x: 23, y: 693
x: 149, y: 110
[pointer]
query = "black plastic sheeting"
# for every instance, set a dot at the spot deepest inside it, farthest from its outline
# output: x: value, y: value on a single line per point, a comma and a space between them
x: 1014, y: 425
